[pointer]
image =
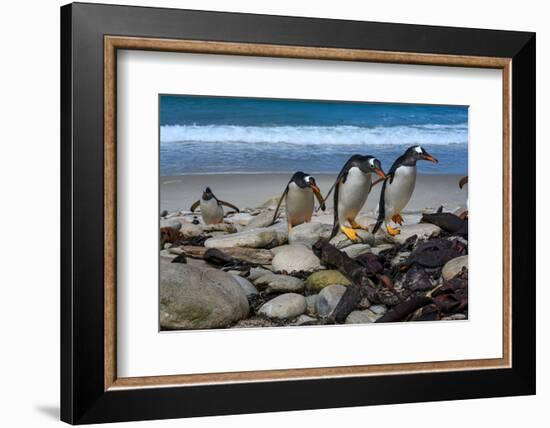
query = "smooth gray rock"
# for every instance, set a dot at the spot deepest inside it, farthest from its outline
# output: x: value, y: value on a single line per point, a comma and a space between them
x: 328, y: 299
x: 295, y: 258
x: 279, y: 283
x: 304, y: 320
x: 190, y: 230
x: 220, y: 227
x: 341, y: 241
x: 257, y: 272
x: 421, y: 230
x: 174, y: 223
x: 264, y: 219
x: 455, y: 317
x: 453, y: 267
x: 246, y: 285
x: 380, y: 247
x: 241, y: 219
x: 285, y: 306
x: 309, y: 233
x: 273, y: 282
x: 199, y: 298
x: 319, y: 280
x: 271, y: 204
x: 325, y: 218
x: 362, y: 317
x: 356, y: 250
x: 168, y: 255
x: 265, y: 237
x: 378, y: 309
x: 275, y: 250
x: 400, y: 257
x: 311, y: 304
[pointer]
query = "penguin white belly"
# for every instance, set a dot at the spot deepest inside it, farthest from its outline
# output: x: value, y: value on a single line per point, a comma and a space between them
x: 353, y: 194
x: 211, y: 212
x: 399, y: 190
x: 299, y: 204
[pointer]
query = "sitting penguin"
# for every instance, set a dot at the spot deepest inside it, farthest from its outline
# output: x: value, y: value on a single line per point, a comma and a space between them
x: 351, y: 190
x: 299, y: 199
x: 398, y: 187
x: 211, y: 207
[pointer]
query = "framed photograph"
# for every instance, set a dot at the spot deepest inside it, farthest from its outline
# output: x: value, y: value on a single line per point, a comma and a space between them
x: 316, y: 212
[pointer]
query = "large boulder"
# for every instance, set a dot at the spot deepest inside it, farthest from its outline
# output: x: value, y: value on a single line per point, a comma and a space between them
x: 263, y: 237
x: 246, y: 285
x: 295, y: 258
x: 309, y: 233
x: 321, y: 279
x: 285, y: 306
x: 199, y: 298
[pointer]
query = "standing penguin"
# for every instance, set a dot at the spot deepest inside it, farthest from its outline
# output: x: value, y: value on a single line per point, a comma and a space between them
x: 211, y: 207
x: 399, y: 186
x: 351, y: 189
x: 299, y: 199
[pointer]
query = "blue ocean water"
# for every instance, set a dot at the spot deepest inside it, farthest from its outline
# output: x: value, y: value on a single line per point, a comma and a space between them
x: 207, y: 135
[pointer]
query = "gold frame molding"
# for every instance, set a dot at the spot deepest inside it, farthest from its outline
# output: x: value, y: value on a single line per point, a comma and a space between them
x: 113, y: 43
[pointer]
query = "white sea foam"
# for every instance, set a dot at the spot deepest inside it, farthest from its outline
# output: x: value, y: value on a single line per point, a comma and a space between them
x: 412, y: 134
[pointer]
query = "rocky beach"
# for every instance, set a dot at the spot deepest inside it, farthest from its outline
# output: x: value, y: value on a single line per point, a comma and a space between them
x: 251, y: 272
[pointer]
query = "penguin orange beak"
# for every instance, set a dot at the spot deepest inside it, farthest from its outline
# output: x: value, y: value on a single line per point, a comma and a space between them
x: 431, y: 158
x: 318, y: 195
x: 380, y: 173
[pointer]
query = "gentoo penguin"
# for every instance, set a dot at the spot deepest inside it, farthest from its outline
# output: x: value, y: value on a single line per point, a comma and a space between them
x: 351, y: 189
x: 399, y: 186
x: 211, y: 207
x: 299, y: 199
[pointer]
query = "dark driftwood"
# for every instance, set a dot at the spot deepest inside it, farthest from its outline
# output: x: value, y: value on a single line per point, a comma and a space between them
x: 401, y: 311
x: 359, y: 274
x: 448, y: 222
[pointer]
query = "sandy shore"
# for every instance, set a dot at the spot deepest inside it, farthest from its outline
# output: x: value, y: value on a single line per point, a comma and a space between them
x: 250, y: 190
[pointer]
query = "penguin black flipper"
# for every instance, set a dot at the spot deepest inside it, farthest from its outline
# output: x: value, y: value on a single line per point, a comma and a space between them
x: 381, y: 207
x: 195, y: 205
x: 276, y: 214
x: 336, y: 223
x: 330, y: 191
x: 227, y: 204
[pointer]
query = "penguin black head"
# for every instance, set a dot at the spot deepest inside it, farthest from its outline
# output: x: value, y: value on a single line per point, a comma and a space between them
x: 303, y: 180
x: 371, y: 164
x: 416, y: 153
x: 207, y: 194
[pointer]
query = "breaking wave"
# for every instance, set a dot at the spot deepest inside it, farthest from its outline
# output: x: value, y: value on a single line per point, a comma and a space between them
x: 353, y: 135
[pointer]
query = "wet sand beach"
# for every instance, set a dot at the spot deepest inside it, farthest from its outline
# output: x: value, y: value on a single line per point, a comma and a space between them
x: 250, y: 190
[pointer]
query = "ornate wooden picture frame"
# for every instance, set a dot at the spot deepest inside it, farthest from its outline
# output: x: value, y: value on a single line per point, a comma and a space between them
x: 91, y: 390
